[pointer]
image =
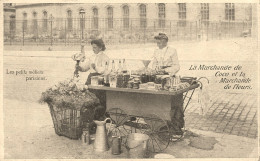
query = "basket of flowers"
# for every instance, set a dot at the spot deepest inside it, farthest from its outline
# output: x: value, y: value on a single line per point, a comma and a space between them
x: 71, y: 106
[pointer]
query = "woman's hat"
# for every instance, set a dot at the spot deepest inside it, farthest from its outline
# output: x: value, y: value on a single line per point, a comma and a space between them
x: 161, y: 36
x: 100, y: 43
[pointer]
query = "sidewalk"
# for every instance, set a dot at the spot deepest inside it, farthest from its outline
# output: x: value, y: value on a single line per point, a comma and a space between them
x: 38, y: 140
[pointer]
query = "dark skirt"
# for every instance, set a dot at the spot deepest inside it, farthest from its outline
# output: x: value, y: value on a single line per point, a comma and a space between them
x: 101, y: 95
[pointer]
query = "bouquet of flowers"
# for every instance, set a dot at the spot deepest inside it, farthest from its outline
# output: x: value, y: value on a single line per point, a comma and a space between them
x: 69, y: 94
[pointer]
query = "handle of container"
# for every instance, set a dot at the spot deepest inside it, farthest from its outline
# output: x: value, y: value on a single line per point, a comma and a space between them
x: 109, y: 125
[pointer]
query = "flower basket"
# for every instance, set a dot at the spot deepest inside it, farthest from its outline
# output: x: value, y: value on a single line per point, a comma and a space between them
x: 71, y: 108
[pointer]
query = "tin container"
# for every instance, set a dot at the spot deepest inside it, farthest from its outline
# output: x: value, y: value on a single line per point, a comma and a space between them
x: 116, y: 145
x: 94, y: 80
x: 113, y: 81
x: 85, y: 137
x: 136, y: 85
x: 126, y: 78
x: 119, y: 81
x: 100, y: 80
x: 130, y: 84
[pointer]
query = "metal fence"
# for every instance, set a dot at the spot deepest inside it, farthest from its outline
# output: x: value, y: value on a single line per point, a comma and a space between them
x: 116, y: 31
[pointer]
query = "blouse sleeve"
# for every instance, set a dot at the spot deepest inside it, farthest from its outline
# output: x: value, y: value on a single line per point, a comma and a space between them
x: 154, y: 60
x: 173, y: 62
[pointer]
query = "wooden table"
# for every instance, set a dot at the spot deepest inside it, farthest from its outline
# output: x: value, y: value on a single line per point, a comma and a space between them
x: 138, y: 102
x: 157, y: 110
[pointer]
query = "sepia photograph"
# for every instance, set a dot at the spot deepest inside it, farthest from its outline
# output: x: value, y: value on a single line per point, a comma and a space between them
x: 130, y: 80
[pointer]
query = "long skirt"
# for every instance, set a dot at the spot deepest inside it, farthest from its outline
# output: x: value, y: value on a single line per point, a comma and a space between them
x: 101, y: 95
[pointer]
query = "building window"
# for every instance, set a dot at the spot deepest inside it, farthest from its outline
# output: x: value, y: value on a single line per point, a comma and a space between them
x: 182, y: 14
x: 95, y: 18
x: 24, y: 21
x: 204, y: 11
x: 82, y: 19
x: 230, y: 11
x: 69, y: 19
x: 161, y: 15
x: 126, y: 17
x: 35, y: 23
x: 12, y: 22
x: 45, y: 21
x: 142, y: 9
x: 110, y: 17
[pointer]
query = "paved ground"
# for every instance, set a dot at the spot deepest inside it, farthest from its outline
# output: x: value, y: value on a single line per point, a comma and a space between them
x: 231, y: 114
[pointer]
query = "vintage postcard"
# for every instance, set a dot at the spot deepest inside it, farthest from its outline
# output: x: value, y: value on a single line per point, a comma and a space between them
x: 130, y: 80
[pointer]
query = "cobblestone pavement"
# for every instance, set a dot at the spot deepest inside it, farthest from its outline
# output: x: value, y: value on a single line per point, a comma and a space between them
x: 231, y: 113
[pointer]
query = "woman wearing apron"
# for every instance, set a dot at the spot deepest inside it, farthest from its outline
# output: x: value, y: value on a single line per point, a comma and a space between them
x: 95, y: 65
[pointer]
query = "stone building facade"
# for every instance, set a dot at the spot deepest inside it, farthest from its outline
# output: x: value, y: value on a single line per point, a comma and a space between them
x: 134, y: 11
x: 128, y: 22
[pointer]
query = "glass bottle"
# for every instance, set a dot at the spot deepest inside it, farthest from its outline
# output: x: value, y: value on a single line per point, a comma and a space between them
x: 106, y: 75
x: 113, y: 69
x: 126, y: 75
x: 113, y: 76
x: 119, y: 70
x: 119, y: 75
x: 124, y: 70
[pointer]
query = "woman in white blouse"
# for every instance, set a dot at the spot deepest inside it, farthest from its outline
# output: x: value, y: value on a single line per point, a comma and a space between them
x: 165, y: 57
x: 96, y: 63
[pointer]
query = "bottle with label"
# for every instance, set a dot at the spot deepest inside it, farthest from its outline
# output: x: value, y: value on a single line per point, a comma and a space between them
x: 124, y: 70
x: 119, y: 70
x: 119, y: 75
x: 113, y: 68
x: 113, y: 75
x: 106, y: 75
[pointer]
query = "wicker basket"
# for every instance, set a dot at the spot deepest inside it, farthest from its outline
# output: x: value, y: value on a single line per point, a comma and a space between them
x: 70, y: 122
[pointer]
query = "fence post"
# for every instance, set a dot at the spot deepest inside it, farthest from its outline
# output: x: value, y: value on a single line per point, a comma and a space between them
x: 177, y: 31
x: 190, y: 31
x: 196, y: 30
x: 243, y: 25
x: 131, y: 31
x: 10, y: 35
x: 51, y: 21
x: 23, y: 33
x: 36, y: 39
x: 145, y: 31
x: 65, y: 33
x: 229, y: 28
x: 207, y: 32
x: 170, y: 29
x: 212, y: 30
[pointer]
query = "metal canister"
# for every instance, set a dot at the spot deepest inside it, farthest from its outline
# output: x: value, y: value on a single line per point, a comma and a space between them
x: 136, y: 85
x: 116, y: 145
x: 130, y: 84
x: 85, y: 137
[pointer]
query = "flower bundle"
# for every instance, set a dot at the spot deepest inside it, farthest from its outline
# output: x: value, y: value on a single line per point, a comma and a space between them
x: 70, y: 94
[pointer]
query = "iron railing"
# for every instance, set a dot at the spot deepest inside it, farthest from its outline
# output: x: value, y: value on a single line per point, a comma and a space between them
x: 116, y: 31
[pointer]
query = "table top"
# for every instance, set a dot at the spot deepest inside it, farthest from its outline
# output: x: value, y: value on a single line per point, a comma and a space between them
x: 144, y: 90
